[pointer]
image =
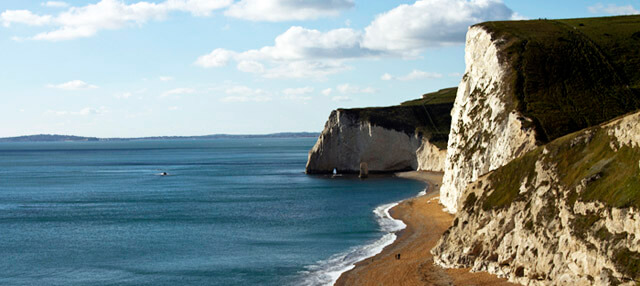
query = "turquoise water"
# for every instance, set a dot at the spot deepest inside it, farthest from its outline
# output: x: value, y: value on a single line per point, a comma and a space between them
x: 230, y: 212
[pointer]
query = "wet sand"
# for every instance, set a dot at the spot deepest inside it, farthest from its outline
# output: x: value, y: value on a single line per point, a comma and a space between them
x: 425, y: 222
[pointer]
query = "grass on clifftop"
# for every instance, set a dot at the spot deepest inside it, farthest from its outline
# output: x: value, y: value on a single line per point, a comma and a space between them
x: 445, y: 95
x: 571, y: 74
x: 429, y: 116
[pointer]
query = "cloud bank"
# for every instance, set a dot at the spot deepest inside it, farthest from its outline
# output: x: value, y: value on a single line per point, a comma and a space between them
x: 286, y: 10
x: 73, y: 85
x: 405, y: 31
x: 86, y: 21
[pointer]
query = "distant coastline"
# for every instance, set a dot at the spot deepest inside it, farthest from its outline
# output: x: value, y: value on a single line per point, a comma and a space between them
x: 71, y: 138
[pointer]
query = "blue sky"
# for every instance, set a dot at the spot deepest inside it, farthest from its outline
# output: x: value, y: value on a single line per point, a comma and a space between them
x: 113, y: 68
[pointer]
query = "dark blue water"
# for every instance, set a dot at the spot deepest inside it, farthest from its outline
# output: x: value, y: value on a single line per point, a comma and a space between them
x: 231, y: 212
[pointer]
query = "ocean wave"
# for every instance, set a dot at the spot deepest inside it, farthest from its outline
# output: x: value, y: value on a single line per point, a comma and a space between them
x: 327, y: 272
x: 423, y: 192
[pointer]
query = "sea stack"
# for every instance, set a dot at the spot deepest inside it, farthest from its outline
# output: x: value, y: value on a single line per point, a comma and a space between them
x: 364, y: 170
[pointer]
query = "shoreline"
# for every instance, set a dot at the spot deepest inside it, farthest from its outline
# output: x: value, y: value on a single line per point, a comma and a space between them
x: 425, y: 222
x: 327, y: 272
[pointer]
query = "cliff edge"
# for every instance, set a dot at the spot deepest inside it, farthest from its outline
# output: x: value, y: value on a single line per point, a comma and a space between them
x: 529, y: 82
x: 410, y: 136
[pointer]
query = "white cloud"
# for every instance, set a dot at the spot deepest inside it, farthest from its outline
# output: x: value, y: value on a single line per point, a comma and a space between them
x: 73, y: 85
x: 297, y: 53
x: 25, y: 17
x: 613, y: 9
x: 217, y: 58
x: 173, y: 108
x: 351, y: 89
x: 413, y: 75
x: 178, y: 91
x: 409, y: 29
x: 165, y: 78
x: 327, y: 92
x: 250, y: 67
x: 55, y: 4
x: 286, y: 10
x: 299, y: 43
x: 86, y: 21
x: 403, y: 31
x: 341, y: 98
x: 196, y: 7
x: 298, y: 91
x: 83, y: 112
x: 306, y: 69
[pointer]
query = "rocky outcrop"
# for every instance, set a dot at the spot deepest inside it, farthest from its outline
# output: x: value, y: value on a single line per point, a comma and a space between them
x: 409, y: 136
x: 567, y: 213
x: 430, y: 157
x: 347, y: 141
x: 486, y: 131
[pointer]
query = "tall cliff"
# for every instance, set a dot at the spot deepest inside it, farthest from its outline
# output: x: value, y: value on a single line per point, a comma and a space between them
x: 409, y: 136
x: 529, y: 82
x: 567, y: 213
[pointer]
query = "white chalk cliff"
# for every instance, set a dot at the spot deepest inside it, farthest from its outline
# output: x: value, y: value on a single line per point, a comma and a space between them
x: 544, y: 235
x: 486, y: 130
x: 347, y: 141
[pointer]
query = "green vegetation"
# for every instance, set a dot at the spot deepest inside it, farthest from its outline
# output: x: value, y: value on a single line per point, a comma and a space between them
x: 445, y: 95
x: 585, y: 157
x: 627, y: 262
x: 506, y: 181
x: 582, y: 225
x: 470, y: 201
x: 611, y: 177
x: 429, y: 116
x: 571, y: 74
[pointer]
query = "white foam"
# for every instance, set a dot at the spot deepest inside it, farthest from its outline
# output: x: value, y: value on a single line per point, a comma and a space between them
x: 423, y: 192
x: 327, y: 272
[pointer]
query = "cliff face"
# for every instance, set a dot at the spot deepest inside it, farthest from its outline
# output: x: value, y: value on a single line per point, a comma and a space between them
x: 486, y: 131
x: 530, y: 82
x: 430, y: 157
x: 346, y: 142
x: 409, y: 136
x: 563, y: 214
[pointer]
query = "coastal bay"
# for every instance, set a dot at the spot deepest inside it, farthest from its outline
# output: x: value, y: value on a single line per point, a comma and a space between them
x: 426, y: 221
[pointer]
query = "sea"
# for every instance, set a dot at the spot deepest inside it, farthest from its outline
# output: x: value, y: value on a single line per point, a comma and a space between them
x: 233, y: 211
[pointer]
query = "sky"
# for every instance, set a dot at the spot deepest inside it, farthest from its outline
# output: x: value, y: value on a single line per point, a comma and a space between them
x: 116, y: 68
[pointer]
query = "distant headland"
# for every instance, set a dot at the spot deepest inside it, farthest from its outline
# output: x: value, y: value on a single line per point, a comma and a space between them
x: 71, y: 138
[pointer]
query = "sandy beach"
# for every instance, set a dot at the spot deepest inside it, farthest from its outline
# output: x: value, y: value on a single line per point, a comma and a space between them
x: 425, y: 222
